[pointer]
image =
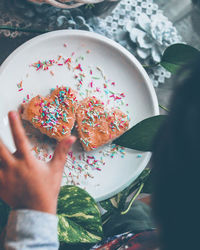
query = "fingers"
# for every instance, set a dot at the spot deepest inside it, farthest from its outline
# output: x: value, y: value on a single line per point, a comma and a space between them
x: 61, y: 151
x: 5, y: 156
x: 19, y: 136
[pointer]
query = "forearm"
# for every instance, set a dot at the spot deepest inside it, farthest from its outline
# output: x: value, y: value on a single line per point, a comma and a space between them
x: 30, y: 229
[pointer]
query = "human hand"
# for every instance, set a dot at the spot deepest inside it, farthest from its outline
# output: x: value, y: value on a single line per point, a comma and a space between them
x: 25, y: 182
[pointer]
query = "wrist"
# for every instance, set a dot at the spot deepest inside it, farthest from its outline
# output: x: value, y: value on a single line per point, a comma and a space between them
x: 40, y: 207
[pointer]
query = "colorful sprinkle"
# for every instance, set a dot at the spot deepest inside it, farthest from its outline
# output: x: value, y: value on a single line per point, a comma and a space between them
x: 78, y: 67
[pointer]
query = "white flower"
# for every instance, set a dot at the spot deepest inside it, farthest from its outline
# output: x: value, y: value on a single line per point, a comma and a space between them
x: 152, y: 35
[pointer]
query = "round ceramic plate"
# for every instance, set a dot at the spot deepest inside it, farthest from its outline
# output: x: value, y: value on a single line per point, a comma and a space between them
x: 92, y: 65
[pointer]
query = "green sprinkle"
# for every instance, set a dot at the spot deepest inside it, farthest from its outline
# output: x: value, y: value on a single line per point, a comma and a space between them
x: 112, y: 92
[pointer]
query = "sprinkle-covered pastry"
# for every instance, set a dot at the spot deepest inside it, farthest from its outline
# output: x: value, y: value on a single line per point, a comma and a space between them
x: 96, y: 126
x: 53, y: 115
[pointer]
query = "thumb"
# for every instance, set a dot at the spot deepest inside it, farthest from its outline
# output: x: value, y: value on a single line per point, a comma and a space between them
x: 61, y: 151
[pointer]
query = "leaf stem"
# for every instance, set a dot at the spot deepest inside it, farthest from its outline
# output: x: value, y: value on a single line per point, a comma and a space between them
x: 133, y: 199
x: 163, y: 107
x: 3, y: 27
x: 105, y: 217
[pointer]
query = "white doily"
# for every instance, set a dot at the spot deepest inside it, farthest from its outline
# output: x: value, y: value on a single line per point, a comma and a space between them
x: 126, y: 11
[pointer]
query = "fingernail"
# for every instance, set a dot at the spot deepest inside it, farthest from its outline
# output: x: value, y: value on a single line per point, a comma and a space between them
x: 13, y: 114
x: 72, y: 139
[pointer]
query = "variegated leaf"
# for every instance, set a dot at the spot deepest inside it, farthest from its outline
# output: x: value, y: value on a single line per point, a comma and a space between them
x: 117, y: 202
x: 109, y: 204
x: 79, y: 216
x: 131, y: 188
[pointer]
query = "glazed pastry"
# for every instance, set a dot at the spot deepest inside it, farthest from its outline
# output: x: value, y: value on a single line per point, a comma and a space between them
x: 53, y: 115
x: 96, y: 126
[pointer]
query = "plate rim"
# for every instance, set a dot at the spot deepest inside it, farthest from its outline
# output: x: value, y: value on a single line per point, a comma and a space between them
x: 127, y: 54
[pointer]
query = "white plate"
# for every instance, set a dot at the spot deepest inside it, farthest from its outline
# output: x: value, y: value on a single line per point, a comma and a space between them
x: 118, y: 66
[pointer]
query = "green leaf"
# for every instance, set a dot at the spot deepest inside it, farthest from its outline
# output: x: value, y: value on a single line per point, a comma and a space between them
x: 117, y: 203
x: 106, y: 217
x: 4, y: 212
x: 79, y: 216
x: 148, y: 185
x: 177, y: 55
x: 110, y: 204
x: 140, y: 137
x: 131, y: 188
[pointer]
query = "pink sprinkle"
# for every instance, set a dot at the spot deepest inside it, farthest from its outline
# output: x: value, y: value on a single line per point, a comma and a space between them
x: 20, y: 89
x: 68, y: 60
x: 90, y: 157
x: 91, y: 84
x: 122, y: 95
x: 70, y: 154
x: 78, y: 67
x: 112, y: 95
x: 90, y: 72
x: 28, y: 97
x: 105, y: 86
x: 60, y: 64
x: 38, y: 67
x: 98, y: 89
x: 65, y: 45
x: 127, y: 104
x: 50, y: 156
x: 113, y: 83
